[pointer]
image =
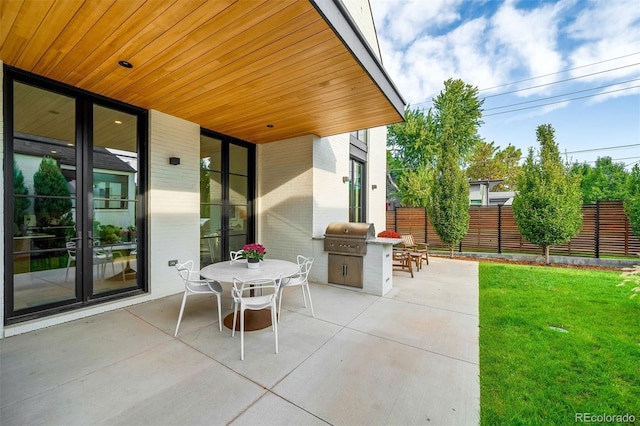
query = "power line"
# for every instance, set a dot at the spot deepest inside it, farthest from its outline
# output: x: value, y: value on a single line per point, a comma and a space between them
x: 561, y: 81
x: 559, y: 72
x: 602, y: 149
x: 564, y: 94
x: 559, y: 102
x: 547, y: 75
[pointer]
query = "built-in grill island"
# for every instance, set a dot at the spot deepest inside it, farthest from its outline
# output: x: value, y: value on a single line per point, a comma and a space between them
x: 346, y: 245
x: 356, y: 258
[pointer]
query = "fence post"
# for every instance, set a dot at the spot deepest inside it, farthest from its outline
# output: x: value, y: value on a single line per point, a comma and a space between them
x: 499, y: 228
x: 597, y: 233
x: 426, y: 236
x: 395, y: 219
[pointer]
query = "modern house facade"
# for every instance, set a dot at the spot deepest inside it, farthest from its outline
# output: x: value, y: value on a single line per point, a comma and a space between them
x: 145, y: 132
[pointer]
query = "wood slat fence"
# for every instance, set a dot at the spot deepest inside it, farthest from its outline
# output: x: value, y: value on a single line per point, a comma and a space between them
x: 605, y: 231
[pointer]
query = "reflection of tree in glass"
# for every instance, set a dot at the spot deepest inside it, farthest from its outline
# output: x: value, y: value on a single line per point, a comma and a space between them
x: 205, y: 191
x: 20, y: 204
x: 53, y: 204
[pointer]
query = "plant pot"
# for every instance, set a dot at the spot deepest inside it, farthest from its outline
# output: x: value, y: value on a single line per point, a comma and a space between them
x: 253, y: 263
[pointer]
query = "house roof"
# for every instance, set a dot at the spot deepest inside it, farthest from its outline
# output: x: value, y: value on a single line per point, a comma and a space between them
x: 260, y: 71
x: 64, y: 154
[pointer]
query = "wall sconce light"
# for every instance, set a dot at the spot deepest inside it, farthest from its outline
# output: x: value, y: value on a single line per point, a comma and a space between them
x: 174, y: 161
x: 374, y: 186
x: 345, y: 179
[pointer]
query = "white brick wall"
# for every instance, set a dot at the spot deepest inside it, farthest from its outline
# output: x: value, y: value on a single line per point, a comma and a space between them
x: 174, y: 199
x: 377, y: 175
x: 330, y: 193
x: 285, y: 197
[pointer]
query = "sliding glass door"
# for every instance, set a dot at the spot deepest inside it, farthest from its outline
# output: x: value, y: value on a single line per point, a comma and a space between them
x: 74, y: 234
x: 226, y: 195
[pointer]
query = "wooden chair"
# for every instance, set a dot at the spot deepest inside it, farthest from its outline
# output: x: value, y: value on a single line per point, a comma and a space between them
x: 409, y: 244
x: 402, y: 260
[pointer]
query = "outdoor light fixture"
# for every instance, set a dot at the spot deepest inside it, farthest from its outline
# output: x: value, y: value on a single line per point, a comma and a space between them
x: 345, y: 179
x: 374, y: 186
x: 125, y: 64
x: 174, y: 161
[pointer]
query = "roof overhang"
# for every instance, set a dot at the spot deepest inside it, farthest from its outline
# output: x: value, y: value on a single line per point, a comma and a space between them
x: 260, y: 71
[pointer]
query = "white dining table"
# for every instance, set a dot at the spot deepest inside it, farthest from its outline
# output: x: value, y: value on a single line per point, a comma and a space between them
x: 269, y: 268
x: 226, y: 271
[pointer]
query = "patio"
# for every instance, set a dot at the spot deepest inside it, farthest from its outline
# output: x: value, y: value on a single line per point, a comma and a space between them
x: 410, y: 357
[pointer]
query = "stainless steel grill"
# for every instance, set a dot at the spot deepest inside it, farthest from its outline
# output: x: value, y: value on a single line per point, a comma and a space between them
x: 346, y: 243
x: 348, y: 237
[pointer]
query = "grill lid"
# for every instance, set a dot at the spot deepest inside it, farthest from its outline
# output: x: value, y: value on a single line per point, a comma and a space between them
x: 362, y: 231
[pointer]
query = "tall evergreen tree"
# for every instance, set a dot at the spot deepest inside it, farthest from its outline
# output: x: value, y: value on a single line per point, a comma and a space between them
x: 548, y: 205
x: 52, y: 204
x: 449, y: 204
x: 21, y: 204
x: 456, y: 116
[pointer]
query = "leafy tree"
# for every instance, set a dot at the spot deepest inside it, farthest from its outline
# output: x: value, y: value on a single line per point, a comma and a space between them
x: 455, y: 117
x: 410, y: 141
x: 52, y: 205
x: 607, y: 181
x: 487, y: 161
x: 548, y: 205
x: 20, y: 204
x: 415, y: 186
x: 510, y: 160
x: 410, y: 153
x: 455, y: 120
x: 632, y: 203
x: 449, y: 204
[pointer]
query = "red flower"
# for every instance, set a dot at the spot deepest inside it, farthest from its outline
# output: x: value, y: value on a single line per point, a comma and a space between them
x: 253, y: 251
x: 389, y: 234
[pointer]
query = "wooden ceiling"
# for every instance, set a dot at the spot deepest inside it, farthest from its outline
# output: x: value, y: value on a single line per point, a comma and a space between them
x: 233, y: 67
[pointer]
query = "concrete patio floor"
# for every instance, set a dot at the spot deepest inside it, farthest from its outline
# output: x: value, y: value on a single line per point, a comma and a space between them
x: 410, y: 357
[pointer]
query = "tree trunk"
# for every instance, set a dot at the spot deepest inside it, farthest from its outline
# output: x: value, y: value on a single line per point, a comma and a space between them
x: 451, y: 251
x: 546, y: 255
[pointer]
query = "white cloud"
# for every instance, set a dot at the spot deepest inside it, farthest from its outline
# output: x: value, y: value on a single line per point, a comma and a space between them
x: 503, y: 41
x: 404, y: 21
x: 606, y: 29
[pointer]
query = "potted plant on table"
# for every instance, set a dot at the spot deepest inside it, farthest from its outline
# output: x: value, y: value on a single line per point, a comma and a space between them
x: 254, y: 253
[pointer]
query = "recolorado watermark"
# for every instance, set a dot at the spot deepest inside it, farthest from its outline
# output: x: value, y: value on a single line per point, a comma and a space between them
x: 604, y: 418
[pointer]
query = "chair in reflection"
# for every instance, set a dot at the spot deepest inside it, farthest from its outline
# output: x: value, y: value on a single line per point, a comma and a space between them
x: 244, y: 299
x: 71, y: 252
x: 194, y: 284
x: 101, y: 256
x: 235, y: 255
x: 302, y: 280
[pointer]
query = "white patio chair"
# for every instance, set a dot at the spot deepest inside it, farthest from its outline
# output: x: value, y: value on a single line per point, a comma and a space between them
x: 302, y: 280
x: 194, y: 284
x: 71, y: 252
x: 243, y: 301
x: 235, y: 256
x: 101, y: 257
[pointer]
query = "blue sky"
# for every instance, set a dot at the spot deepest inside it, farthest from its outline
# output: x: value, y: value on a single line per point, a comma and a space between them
x: 528, y: 48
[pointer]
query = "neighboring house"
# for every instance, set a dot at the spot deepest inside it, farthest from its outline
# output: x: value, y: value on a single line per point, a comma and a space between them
x: 113, y: 180
x: 479, y: 191
x: 504, y: 198
x: 241, y: 122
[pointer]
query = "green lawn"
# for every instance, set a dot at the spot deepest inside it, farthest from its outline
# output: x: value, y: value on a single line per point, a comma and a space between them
x: 531, y: 374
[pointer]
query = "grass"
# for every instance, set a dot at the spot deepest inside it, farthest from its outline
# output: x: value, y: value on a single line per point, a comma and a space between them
x: 531, y: 374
